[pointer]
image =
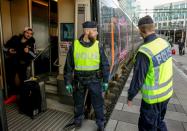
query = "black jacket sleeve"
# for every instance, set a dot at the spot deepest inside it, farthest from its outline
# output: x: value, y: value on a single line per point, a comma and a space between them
x: 32, y: 46
x: 11, y: 43
x: 140, y: 71
x: 104, y: 65
x: 69, y: 66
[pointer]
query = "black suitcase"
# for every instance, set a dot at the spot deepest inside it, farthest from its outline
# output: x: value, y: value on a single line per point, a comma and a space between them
x: 32, y: 98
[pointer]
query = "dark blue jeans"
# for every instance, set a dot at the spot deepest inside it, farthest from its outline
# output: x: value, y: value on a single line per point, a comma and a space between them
x: 152, y: 116
x: 95, y: 91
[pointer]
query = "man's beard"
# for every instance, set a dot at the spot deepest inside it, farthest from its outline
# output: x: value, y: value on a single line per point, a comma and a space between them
x: 91, y: 38
x: 141, y: 34
x: 25, y: 37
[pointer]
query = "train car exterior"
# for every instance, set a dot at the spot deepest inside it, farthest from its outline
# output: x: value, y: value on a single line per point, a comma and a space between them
x: 118, y: 33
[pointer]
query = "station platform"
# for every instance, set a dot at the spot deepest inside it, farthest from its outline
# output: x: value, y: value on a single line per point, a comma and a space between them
x: 125, y: 118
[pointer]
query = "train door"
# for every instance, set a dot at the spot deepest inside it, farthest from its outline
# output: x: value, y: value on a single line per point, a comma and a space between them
x: 3, y: 120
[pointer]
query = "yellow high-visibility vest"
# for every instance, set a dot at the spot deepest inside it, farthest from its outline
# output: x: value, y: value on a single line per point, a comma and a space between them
x: 158, y: 83
x: 86, y: 58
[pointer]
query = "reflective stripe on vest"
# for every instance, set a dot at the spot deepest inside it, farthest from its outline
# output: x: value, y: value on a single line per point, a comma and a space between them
x: 159, y: 79
x: 86, y: 58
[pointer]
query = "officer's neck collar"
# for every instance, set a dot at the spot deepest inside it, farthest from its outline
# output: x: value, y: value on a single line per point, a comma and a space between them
x: 150, y: 38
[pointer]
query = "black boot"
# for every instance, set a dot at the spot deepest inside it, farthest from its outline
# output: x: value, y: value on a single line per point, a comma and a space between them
x: 100, y: 129
x: 72, y: 125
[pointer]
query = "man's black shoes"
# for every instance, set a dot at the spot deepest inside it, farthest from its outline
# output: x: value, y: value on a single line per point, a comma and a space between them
x: 100, y: 129
x: 78, y: 125
x: 73, y: 125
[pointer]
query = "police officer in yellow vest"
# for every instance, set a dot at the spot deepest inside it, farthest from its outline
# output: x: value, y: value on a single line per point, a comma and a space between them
x: 153, y: 75
x: 87, y: 67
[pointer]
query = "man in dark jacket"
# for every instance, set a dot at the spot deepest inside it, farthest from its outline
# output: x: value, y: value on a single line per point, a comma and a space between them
x: 19, y: 52
x: 181, y: 47
x: 87, y: 68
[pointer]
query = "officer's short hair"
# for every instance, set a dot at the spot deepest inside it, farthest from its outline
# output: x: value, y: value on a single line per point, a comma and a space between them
x: 145, y: 20
x: 146, y: 24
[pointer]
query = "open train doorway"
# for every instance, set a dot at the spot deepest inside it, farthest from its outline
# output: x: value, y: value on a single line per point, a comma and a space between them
x: 45, y: 26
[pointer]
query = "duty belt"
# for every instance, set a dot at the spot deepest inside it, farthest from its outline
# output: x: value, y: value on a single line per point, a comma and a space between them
x: 87, y: 75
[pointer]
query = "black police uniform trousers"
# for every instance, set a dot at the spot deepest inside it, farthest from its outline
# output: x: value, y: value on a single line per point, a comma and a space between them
x: 152, y: 116
x: 95, y: 92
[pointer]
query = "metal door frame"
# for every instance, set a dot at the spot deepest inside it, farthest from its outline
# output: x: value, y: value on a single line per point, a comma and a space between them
x: 87, y: 12
x: 3, y: 119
